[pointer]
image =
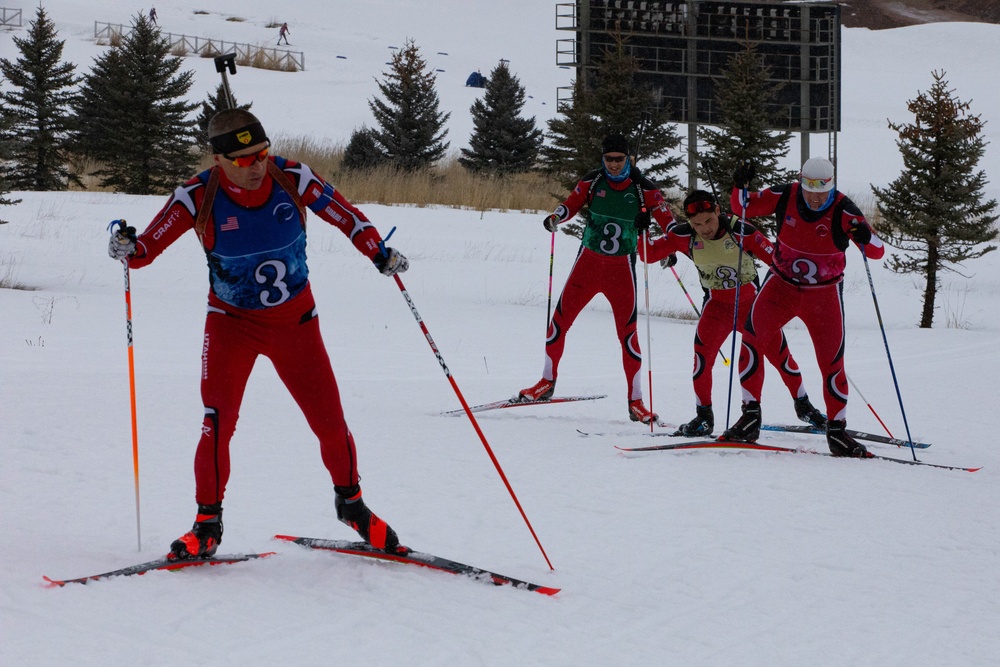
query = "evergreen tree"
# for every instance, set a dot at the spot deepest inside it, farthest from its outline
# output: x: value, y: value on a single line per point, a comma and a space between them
x: 211, y: 106
x: 574, y: 140
x: 5, y: 155
x: 132, y: 116
x: 363, y: 151
x: 502, y: 142
x: 36, y: 110
x: 745, y: 100
x: 615, y: 103
x: 935, y: 212
x: 410, y: 125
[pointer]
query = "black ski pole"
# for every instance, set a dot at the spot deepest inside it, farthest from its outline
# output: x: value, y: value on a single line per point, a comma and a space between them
x: 707, y: 164
x: 888, y: 354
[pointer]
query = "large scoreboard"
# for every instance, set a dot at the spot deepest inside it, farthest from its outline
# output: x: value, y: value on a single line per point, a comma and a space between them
x: 683, y: 46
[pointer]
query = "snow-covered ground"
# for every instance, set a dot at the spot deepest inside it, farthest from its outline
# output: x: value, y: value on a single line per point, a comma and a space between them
x: 696, y: 558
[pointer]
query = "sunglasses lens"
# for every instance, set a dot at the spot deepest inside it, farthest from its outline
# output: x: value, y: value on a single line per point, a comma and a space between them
x: 696, y: 207
x: 250, y: 160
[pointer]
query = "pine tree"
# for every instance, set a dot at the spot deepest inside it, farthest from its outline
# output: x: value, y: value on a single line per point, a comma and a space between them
x: 744, y: 100
x: 36, y: 110
x: 935, y: 212
x: 616, y: 103
x: 410, y: 125
x: 5, y: 155
x: 211, y: 106
x: 502, y: 142
x: 363, y: 151
x: 133, y: 117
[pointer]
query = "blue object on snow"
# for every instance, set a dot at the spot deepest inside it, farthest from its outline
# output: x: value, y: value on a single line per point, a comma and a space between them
x: 476, y: 80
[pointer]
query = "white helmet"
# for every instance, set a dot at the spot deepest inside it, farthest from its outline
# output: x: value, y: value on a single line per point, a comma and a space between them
x: 817, y: 175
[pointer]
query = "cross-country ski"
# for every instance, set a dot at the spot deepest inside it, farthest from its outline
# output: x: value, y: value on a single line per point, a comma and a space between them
x: 514, y: 403
x: 166, y: 564
x: 756, y: 446
x: 421, y: 559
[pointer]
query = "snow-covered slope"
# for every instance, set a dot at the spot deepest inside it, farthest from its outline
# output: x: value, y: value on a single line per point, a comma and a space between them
x: 701, y: 558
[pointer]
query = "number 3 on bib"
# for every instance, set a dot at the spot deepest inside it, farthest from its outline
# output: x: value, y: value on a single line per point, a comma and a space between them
x: 271, y: 274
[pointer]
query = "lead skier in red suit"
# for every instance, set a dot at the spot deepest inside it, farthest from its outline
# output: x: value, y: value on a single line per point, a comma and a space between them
x: 248, y: 212
x: 715, y: 250
x: 815, y: 225
x: 621, y: 202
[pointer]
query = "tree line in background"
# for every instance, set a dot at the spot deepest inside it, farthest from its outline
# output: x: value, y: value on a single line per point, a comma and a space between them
x: 128, y: 116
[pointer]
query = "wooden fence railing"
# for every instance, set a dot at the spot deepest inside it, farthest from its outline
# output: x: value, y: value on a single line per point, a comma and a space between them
x: 247, y: 55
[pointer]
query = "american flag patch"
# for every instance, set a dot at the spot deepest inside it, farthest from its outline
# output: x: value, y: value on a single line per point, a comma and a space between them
x: 230, y: 224
x: 698, y: 245
x: 601, y: 193
x: 790, y: 220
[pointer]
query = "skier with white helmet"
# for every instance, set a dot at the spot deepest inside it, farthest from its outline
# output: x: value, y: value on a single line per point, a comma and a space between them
x: 815, y: 225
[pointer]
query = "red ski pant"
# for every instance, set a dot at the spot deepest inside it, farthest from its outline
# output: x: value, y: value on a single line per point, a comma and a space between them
x: 821, y: 309
x: 614, y: 277
x: 716, y: 324
x: 289, y: 336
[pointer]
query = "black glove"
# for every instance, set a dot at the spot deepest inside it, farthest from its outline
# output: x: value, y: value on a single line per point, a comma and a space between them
x: 642, y: 220
x: 861, y: 233
x: 744, y: 174
x: 391, y: 262
x: 121, y: 245
x: 550, y: 222
x: 669, y: 260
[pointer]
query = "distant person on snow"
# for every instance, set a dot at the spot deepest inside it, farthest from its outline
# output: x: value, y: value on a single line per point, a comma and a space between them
x: 816, y: 224
x: 715, y: 250
x: 152, y: 15
x: 249, y: 212
x: 620, y: 201
x: 283, y: 33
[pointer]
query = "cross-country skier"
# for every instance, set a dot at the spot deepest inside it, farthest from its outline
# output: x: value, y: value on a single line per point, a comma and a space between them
x: 620, y: 200
x: 815, y: 224
x: 715, y: 251
x: 249, y: 214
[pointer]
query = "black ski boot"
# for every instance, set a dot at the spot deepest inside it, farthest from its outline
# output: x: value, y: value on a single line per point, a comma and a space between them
x: 352, y: 511
x: 702, y: 425
x: 203, y: 539
x: 747, y: 427
x: 808, y: 413
x: 842, y: 444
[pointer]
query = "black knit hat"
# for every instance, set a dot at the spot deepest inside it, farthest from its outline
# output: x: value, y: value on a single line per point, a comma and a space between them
x: 614, y: 143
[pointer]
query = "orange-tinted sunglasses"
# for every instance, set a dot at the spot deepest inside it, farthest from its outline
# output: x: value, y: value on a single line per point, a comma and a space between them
x: 245, y: 161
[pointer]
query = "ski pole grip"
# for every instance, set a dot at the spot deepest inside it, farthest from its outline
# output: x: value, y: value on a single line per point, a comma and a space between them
x: 381, y: 244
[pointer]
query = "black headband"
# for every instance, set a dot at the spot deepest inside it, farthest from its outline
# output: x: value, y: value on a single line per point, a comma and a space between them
x: 238, y: 139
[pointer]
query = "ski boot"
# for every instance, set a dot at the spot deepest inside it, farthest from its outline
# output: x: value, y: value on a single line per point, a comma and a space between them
x: 637, y: 412
x: 747, y: 427
x: 352, y: 511
x: 203, y: 539
x: 842, y: 444
x: 540, y: 391
x: 702, y: 425
x: 808, y: 413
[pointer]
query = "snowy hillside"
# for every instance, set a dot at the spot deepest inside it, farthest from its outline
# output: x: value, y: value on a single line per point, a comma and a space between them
x: 700, y: 558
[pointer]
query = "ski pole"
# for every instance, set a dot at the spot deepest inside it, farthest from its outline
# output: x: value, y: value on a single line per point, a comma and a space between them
x: 888, y: 354
x: 868, y: 404
x: 461, y: 399
x: 649, y: 340
x: 696, y: 311
x: 643, y: 124
x: 552, y: 260
x: 736, y: 307
x: 131, y: 388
